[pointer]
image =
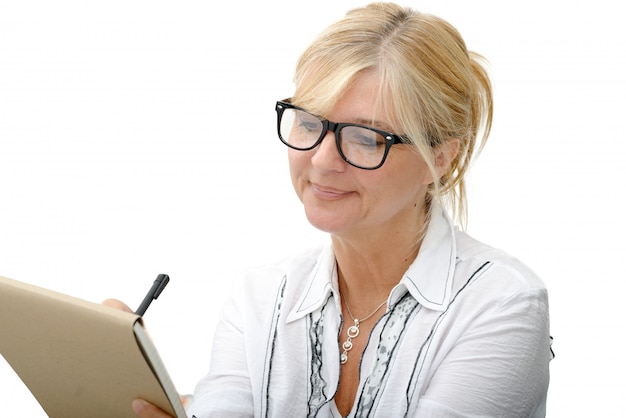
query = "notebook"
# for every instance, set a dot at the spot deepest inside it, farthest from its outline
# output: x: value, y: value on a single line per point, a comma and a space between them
x: 79, y: 358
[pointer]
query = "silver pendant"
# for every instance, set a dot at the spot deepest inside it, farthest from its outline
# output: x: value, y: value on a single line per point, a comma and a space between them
x: 352, y: 332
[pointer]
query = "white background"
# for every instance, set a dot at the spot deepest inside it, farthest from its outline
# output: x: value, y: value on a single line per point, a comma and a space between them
x: 138, y: 138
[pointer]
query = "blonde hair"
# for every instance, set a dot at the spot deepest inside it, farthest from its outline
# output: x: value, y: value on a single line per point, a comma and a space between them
x: 430, y: 84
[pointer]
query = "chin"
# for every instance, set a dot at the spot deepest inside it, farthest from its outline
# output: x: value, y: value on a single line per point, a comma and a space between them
x: 326, y: 222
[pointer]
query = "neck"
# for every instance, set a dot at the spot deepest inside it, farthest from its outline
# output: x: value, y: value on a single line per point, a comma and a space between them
x: 369, y: 269
x: 372, y: 261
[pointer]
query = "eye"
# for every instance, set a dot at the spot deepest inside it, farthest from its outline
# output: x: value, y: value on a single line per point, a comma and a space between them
x: 308, y: 122
x: 362, y: 137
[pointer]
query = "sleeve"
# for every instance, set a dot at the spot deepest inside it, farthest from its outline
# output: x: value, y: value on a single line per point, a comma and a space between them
x: 226, y: 390
x: 498, y: 366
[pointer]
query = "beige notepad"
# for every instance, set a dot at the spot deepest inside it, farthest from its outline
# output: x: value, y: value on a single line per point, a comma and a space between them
x: 78, y: 358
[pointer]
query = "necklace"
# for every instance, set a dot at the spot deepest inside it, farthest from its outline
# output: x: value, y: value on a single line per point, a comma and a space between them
x: 353, y: 330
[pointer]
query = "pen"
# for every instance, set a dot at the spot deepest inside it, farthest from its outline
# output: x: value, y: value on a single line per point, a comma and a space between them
x: 157, y: 287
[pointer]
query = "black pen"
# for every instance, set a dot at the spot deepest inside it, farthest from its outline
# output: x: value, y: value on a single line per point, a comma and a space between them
x: 157, y: 287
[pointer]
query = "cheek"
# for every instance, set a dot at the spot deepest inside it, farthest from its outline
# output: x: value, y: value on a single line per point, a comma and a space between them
x: 407, y: 177
x: 423, y: 176
x: 417, y: 169
x: 297, y: 163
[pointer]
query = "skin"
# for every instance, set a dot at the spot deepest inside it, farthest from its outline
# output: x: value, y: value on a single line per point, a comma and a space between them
x: 375, y: 218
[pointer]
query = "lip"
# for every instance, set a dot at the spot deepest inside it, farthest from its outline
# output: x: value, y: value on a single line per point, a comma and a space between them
x: 328, y: 193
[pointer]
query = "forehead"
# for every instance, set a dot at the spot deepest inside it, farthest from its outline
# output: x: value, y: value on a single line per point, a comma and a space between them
x: 364, y: 102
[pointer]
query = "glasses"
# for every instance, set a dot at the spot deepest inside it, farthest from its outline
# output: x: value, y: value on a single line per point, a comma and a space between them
x: 360, y: 146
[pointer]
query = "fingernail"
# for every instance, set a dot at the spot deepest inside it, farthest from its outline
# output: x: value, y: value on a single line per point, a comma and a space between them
x: 138, y: 405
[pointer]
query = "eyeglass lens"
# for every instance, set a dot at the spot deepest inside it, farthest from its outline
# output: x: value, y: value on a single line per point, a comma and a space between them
x: 358, y: 145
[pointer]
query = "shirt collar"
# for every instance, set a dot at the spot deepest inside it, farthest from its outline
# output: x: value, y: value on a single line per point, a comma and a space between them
x: 428, y: 278
x: 322, y: 282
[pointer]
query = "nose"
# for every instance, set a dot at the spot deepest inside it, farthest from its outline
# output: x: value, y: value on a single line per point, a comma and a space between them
x: 326, y: 155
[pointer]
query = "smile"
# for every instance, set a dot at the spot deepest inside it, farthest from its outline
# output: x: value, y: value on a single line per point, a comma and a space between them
x: 328, y: 193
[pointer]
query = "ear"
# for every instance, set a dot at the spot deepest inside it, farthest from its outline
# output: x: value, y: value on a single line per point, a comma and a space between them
x: 444, y: 155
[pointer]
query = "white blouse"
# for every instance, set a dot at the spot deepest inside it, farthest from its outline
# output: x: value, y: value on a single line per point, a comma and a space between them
x: 465, y: 334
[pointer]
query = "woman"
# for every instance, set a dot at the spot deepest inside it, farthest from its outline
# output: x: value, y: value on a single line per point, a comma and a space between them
x: 402, y: 314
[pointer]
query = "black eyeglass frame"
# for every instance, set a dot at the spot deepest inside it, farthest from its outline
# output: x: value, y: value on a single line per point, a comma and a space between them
x: 336, y: 127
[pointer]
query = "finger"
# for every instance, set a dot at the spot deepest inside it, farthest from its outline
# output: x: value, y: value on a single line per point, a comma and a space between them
x: 144, y: 409
x: 117, y: 304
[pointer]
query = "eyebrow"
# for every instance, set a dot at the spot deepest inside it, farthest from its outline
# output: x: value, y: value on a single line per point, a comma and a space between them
x: 358, y: 121
x: 374, y: 124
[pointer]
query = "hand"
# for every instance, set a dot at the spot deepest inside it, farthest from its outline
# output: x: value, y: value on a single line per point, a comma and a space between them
x: 145, y: 409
